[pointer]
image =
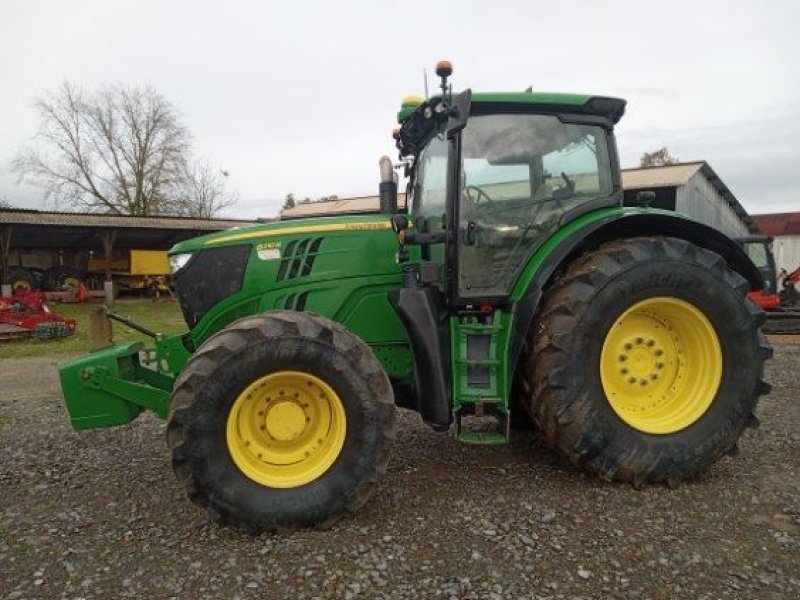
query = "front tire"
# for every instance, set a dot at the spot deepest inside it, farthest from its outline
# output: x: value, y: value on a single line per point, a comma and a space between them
x: 281, y: 420
x: 647, y: 361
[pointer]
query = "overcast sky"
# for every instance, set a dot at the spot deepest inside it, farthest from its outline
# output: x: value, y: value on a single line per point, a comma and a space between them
x: 302, y: 96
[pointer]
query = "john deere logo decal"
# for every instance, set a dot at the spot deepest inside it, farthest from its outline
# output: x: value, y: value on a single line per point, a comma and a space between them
x: 269, y: 250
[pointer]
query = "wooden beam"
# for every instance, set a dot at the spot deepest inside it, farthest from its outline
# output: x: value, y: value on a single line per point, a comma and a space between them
x: 109, y: 237
x: 5, y: 252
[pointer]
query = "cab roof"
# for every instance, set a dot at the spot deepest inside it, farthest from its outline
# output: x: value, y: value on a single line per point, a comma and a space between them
x: 602, y: 106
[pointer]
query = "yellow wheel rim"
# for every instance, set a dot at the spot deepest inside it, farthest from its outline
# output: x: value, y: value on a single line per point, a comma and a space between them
x: 21, y: 285
x: 661, y: 365
x: 286, y: 429
x: 72, y: 282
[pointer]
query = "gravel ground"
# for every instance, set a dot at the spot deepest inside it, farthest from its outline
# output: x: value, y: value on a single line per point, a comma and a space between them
x: 99, y: 514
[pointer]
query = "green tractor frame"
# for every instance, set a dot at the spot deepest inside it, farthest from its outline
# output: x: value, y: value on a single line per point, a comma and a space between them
x: 514, y: 291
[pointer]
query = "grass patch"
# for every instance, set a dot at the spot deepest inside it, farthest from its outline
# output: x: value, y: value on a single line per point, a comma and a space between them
x: 163, y: 316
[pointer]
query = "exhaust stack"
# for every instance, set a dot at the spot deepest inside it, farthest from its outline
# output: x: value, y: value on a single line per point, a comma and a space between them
x: 387, y: 189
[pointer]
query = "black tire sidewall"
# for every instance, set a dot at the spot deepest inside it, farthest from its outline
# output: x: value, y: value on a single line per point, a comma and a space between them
x: 309, y: 504
x: 710, y: 436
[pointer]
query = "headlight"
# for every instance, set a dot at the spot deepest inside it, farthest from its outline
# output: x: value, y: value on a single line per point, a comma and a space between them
x: 178, y: 261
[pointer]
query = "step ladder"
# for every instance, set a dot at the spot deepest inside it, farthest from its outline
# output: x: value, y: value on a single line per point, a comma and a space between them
x: 480, y: 382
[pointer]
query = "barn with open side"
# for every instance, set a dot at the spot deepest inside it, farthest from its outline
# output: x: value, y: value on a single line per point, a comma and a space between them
x: 36, y: 246
x: 693, y: 189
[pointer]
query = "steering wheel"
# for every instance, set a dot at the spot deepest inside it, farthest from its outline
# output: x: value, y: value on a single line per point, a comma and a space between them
x: 479, y: 193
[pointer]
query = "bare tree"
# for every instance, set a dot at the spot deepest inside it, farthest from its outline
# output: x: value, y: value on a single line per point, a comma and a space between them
x: 120, y: 150
x: 289, y: 202
x: 201, y: 190
x: 658, y: 158
x: 5, y: 202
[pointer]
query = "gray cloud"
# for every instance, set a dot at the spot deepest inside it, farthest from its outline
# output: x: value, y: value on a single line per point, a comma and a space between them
x: 301, y: 97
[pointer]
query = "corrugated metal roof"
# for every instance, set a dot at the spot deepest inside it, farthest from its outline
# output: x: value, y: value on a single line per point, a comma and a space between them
x: 680, y: 174
x: 670, y: 175
x: 341, y: 206
x: 35, y: 217
x: 777, y: 224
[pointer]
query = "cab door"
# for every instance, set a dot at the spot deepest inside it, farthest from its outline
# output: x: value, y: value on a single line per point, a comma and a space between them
x: 520, y: 174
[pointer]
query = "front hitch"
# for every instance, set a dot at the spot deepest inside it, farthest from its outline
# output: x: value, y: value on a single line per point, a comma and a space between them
x: 113, y: 384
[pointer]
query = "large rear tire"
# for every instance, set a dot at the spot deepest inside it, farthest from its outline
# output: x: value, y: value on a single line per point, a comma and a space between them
x: 645, y: 361
x: 281, y: 420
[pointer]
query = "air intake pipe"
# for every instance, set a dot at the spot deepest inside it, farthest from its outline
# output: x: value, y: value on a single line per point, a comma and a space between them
x: 387, y: 189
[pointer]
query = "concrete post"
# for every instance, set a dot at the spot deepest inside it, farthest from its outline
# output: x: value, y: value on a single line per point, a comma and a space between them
x: 5, y: 290
x: 108, y: 288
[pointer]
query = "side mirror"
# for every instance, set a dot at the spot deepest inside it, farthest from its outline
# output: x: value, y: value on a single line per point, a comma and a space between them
x: 459, y: 113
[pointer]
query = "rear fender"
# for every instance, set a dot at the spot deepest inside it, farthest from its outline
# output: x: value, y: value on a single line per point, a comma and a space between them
x: 618, y: 224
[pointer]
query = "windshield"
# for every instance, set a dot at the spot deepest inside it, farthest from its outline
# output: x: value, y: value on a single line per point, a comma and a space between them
x: 534, y: 157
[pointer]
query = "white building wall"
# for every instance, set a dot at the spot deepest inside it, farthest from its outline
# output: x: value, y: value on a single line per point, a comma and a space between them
x: 701, y: 201
x: 786, y: 249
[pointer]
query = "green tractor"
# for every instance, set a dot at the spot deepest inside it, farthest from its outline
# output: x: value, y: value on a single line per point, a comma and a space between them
x: 515, y: 290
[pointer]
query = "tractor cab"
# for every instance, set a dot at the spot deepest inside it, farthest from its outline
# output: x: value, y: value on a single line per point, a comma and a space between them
x: 492, y: 178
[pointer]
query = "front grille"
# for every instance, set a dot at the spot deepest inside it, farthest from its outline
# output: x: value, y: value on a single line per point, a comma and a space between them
x: 298, y: 258
x: 209, y: 276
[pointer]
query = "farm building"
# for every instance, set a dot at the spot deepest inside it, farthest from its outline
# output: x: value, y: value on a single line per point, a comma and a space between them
x: 43, y: 249
x: 784, y: 228
x: 691, y: 188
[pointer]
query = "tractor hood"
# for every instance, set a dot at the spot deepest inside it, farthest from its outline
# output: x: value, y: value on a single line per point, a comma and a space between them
x: 264, y: 231
x: 303, y: 264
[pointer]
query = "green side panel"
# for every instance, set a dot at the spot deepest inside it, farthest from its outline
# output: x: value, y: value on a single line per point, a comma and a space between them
x: 361, y: 305
x: 222, y: 315
x: 368, y: 313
